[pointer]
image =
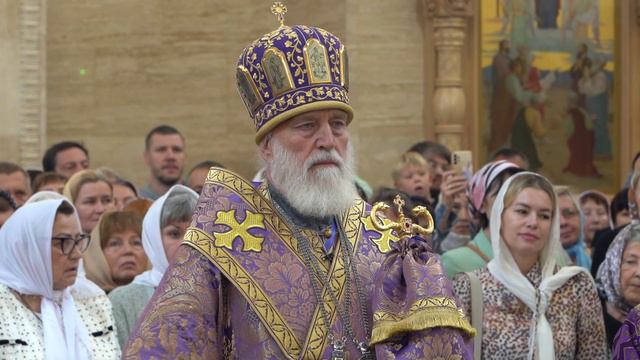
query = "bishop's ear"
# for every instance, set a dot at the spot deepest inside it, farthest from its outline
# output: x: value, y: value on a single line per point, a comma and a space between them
x: 265, y: 148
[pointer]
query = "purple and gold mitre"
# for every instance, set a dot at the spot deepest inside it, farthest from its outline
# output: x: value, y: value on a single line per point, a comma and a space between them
x: 292, y: 70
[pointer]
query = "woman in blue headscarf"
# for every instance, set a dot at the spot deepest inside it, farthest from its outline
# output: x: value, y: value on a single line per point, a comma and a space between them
x: 572, y: 228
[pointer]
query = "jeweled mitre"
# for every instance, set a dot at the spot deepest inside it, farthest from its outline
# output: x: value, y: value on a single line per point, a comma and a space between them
x: 292, y: 70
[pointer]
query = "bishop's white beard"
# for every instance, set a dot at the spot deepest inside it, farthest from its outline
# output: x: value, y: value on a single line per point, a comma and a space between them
x: 319, y: 192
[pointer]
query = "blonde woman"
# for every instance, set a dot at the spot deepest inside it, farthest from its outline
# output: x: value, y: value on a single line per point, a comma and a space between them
x: 532, y: 308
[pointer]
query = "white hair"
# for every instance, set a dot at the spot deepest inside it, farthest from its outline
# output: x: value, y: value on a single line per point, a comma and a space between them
x: 313, y: 192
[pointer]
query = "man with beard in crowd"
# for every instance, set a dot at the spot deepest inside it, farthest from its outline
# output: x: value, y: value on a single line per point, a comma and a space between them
x: 165, y: 156
x: 289, y: 268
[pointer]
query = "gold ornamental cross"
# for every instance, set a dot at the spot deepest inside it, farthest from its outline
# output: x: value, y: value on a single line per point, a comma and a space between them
x: 279, y: 9
x: 239, y: 229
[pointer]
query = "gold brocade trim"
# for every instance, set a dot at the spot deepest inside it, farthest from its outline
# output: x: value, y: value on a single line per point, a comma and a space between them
x: 317, y: 338
x: 424, y: 314
x: 259, y: 199
x: 270, y: 316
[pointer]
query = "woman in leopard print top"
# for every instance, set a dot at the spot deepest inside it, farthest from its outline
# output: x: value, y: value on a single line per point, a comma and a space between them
x: 567, y: 320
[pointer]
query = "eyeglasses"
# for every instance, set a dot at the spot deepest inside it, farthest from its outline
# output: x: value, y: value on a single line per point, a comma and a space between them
x: 69, y: 243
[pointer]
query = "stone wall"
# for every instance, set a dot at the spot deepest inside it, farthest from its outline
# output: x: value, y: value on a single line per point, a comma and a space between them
x: 9, y: 80
x: 118, y: 68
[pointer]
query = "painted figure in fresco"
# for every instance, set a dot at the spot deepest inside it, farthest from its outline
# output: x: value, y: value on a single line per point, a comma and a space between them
x: 502, y: 126
x: 297, y: 267
x: 578, y: 16
x: 521, y: 14
x: 547, y: 12
x: 528, y: 125
x: 595, y: 88
x: 577, y: 71
x: 580, y: 140
x: 501, y: 111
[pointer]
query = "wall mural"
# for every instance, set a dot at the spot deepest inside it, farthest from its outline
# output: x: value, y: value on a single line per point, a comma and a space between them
x: 547, y: 87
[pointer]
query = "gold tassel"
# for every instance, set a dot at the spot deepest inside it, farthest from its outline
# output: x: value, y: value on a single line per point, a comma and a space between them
x: 422, y: 320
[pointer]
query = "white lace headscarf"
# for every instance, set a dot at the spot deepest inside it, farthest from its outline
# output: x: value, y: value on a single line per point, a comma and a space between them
x: 504, y: 268
x: 152, y: 239
x: 26, y: 267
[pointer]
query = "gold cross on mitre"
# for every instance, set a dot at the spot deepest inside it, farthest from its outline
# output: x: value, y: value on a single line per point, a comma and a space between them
x: 404, y: 227
x: 279, y: 9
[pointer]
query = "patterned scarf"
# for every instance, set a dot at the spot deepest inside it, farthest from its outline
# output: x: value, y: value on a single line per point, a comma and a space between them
x: 608, y: 276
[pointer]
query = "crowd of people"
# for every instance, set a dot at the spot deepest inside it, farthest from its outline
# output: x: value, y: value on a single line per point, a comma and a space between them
x: 296, y: 264
x: 126, y: 239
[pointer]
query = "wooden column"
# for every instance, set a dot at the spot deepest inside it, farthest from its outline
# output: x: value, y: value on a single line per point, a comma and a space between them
x: 627, y: 70
x: 448, y: 107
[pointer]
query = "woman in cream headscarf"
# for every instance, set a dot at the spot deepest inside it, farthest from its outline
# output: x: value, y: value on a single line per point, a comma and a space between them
x: 115, y: 255
x: 532, y: 308
x: 47, y: 310
x: 163, y: 229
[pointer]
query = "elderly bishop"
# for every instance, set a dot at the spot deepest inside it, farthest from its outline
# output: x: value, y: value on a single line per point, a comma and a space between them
x: 297, y: 266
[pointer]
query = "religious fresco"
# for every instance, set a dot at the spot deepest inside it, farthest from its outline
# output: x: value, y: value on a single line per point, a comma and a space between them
x: 547, y: 87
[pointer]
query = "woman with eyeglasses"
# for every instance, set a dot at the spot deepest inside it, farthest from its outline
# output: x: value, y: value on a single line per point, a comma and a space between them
x: 46, y: 309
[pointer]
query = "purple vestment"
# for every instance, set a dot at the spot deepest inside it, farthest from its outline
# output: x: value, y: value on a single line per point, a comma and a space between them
x: 238, y: 288
x: 626, y: 344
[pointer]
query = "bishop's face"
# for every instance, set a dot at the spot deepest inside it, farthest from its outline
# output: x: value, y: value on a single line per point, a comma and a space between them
x: 310, y: 133
x: 309, y: 160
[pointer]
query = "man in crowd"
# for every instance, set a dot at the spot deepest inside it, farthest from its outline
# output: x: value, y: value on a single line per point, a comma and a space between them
x: 461, y: 227
x: 66, y: 158
x: 289, y: 269
x: 198, y: 174
x: 15, y: 181
x: 7, y: 206
x: 164, y: 155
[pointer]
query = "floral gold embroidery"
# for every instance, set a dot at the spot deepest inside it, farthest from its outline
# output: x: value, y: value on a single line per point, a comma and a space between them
x: 249, y: 288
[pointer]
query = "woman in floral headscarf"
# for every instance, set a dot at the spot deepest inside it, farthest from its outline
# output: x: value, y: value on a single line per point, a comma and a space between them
x: 482, y: 191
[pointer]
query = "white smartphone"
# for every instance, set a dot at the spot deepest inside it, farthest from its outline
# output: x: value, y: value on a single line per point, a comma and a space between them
x: 462, y: 162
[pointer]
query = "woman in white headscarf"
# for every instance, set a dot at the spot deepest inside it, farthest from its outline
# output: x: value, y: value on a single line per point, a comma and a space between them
x: 163, y: 230
x: 46, y: 309
x: 532, y: 308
